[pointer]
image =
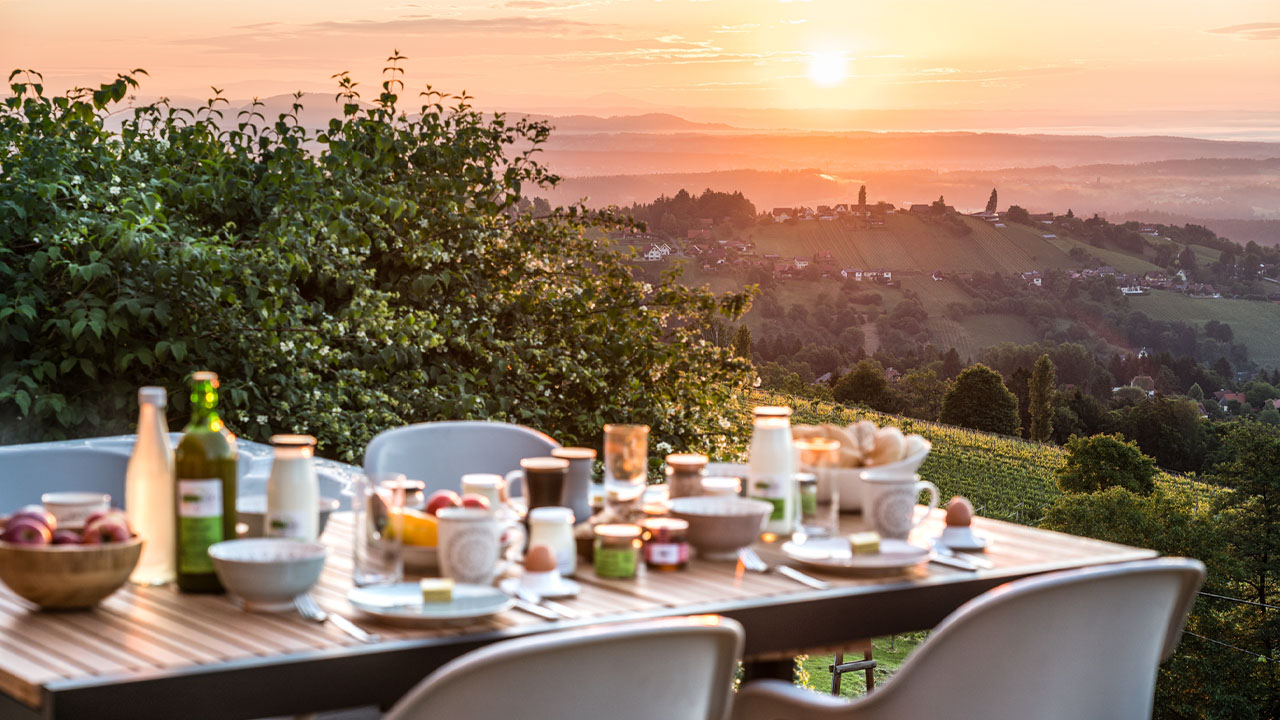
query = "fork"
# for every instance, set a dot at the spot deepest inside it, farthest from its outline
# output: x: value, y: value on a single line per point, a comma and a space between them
x: 751, y: 561
x: 311, y: 610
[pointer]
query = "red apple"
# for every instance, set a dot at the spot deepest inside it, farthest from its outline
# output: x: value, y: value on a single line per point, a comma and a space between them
x: 442, y: 499
x: 66, y: 537
x: 475, y: 501
x: 26, y: 531
x: 106, y: 530
x: 37, y: 512
x: 114, y: 514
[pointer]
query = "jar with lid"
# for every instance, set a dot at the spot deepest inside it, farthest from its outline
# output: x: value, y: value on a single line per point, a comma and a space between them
x: 771, y: 466
x: 293, y: 492
x: 617, y: 550
x: 553, y: 526
x: 666, y: 545
x: 684, y: 474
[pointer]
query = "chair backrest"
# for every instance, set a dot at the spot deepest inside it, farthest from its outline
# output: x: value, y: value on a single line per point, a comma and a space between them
x: 28, y: 471
x: 440, y: 453
x: 1075, y: 644
x: 671, y: 668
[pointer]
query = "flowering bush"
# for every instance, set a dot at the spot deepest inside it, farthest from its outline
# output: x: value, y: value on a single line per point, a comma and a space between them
x: 374, y: 274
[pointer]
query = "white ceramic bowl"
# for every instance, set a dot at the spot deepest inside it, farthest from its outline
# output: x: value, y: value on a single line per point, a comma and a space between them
x: 268, y: 573
x: 252, y: 511
x: 719, y: 525
x: 71, y: 509
x: 849, y: 480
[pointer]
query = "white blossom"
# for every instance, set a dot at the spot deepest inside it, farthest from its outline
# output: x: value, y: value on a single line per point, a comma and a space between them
x: 262, y: 419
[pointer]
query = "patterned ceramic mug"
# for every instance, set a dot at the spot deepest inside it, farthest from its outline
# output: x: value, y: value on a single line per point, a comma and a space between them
x: 889, y: 501
x: 471, y: 542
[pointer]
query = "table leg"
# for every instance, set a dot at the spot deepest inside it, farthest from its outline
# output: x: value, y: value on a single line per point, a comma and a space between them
x: 777, y: 669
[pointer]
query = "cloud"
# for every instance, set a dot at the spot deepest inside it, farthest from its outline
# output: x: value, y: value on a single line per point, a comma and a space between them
x: 1251, y: 31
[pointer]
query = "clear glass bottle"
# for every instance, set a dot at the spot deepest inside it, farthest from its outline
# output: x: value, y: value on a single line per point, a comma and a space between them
x: 205, y: 480
x: 148, y: 490
x: 293, y: 492
x: 771, y: 466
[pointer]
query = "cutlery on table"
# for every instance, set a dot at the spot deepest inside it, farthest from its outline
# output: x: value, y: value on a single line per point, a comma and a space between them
x: 974, y: 560
x: 311, y: 610
x: 955, y: 562
x: 751, y: 561
x: 556, y: 609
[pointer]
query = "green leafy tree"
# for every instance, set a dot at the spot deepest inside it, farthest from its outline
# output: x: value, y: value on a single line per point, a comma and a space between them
x: 1167, y: 428
x: 920, y: 394
x: 1041, y: 391
x: 1018, y: 214
x: 1104, y: 461
x: 951, y: 364
x: 991, y: 202
x: 979, y: 400
x: 1250, y: 466
x: 742, y: 342
x: 378, y: 273
x: 1258, y: 392
x: 1195, y: 392
x: 862, y: 195
x: 865, y: 384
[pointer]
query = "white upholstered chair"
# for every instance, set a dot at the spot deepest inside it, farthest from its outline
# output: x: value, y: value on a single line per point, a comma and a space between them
x: 674, y: 668
x: 440, y: 453
x: 1062, y: 646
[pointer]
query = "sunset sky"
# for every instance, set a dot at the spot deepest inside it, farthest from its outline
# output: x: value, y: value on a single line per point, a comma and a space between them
x: 619, y: 55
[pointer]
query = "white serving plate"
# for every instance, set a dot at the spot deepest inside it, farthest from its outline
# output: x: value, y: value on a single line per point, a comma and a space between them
x: 834, y: 554
x: 402, y: 603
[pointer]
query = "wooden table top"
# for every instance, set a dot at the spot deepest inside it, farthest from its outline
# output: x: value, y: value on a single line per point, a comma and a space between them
x: 154, y: 641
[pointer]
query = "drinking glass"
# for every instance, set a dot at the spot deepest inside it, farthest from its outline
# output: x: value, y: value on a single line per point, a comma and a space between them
x: 819, y: 501
x: 626, y: 466
x: 378, y: 505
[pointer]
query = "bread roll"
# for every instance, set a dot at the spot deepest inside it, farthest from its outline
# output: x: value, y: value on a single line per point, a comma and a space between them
x: 915, y: 444
x: 864, y: 431
x: 890, y: 447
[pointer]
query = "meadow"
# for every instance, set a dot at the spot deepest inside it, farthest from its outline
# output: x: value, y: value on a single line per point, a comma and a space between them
x: 1253, y: 323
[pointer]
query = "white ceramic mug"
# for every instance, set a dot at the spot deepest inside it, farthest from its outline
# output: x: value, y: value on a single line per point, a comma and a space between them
x: 889, y: 502
x: 471, y: 543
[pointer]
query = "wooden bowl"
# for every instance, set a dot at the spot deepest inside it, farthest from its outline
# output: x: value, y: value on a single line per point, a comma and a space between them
x: 65, y: 577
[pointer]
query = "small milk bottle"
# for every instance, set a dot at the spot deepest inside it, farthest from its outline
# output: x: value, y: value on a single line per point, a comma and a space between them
x: 148, y: 491
x: 771, y: 466
x: 293, y: 492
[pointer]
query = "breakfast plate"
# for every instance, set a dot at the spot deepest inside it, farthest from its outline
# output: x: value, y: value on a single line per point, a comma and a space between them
x: 565, y: 588
x: 402, y: 603
x: 834, y: 554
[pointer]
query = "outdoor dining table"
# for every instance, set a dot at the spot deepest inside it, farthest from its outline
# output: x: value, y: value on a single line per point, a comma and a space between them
x: 157, y: 653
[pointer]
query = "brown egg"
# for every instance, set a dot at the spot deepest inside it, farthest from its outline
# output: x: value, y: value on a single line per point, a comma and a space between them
x: 540, y: 558
x: 959, y: 512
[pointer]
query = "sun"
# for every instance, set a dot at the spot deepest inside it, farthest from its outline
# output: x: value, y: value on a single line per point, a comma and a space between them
x: 827, y: 67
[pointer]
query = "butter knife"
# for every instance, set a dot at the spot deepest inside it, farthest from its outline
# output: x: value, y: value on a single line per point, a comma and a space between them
x: 954, y: 562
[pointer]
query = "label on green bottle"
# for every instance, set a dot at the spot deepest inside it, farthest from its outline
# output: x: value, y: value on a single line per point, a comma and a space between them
x: 199, y: 523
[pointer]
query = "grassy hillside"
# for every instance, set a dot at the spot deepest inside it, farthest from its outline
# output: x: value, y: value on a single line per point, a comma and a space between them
x: 1005, y: 477
x: 1256, y: 324
x: 908, y: 243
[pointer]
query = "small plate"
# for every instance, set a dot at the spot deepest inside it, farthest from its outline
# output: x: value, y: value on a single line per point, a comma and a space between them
x: 834, y: 554
x: 961, y: 538
x: 568, y: 588
x: 402, y: 602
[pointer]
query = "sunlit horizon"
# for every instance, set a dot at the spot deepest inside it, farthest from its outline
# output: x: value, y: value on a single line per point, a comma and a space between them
x: 706, y: 58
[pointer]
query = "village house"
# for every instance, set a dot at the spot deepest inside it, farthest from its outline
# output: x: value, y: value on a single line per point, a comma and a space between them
x: 801, y: 263
x: 1032, y: 278
x: 851, y: 273
x: 892, y: 375
x: 698, y: 234
x: 782, y: 214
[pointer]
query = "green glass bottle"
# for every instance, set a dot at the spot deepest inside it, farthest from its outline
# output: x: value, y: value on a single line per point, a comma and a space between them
x: 205, y: 475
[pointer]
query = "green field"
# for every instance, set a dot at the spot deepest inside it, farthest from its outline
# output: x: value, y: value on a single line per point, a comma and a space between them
x: 908, y: 243
x: 976, y: 332
x: 1254, y: 323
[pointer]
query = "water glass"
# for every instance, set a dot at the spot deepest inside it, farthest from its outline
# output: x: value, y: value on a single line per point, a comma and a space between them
x: 626, y: 466
x: 818, y: 508
x: 378, y: 505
